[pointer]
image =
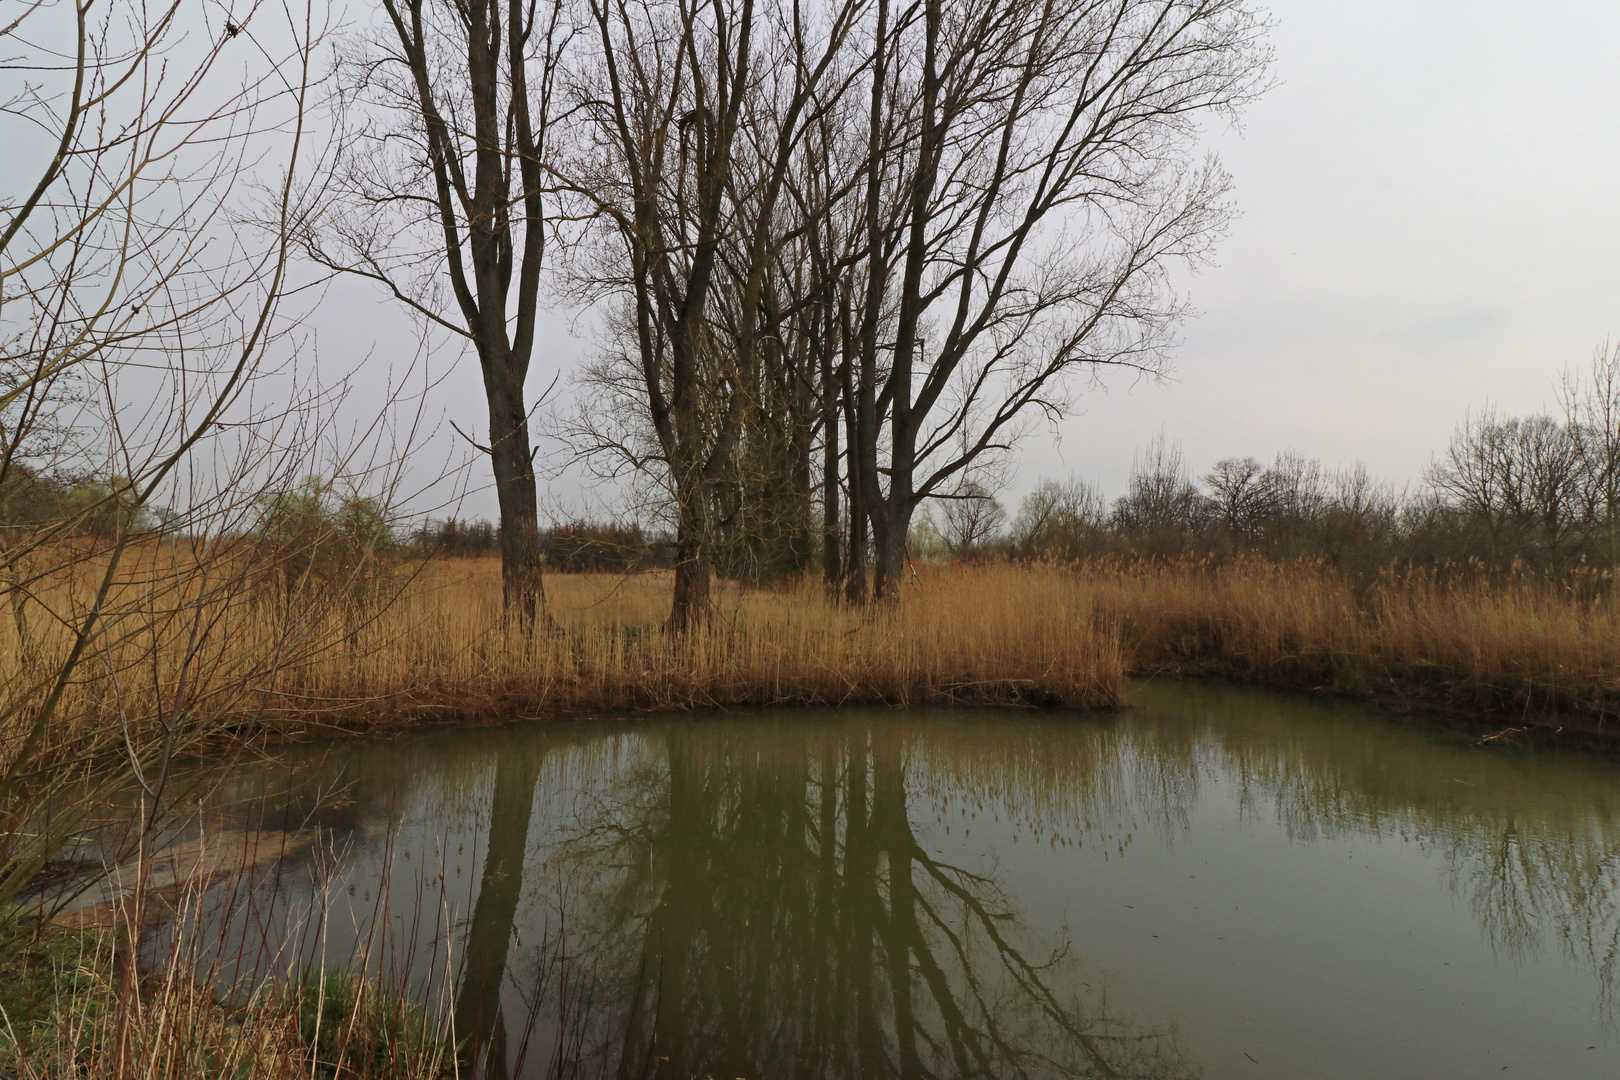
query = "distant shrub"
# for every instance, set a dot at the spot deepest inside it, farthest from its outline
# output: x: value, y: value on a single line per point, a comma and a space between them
x: 583, y: 547
x: 574, y: 547
x: 82, y: 505
x: 456, y: 539
x: 313, y: 537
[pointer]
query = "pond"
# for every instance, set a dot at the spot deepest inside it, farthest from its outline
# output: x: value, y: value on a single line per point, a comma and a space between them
x: 1216, y: 882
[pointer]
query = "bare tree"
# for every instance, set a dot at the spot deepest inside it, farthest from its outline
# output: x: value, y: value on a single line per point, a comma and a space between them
x: 1027, y: 192
x: 1059, y: 518
x: 1518, y: 478
x: 970, y: 518
x: 1239, y: 492
x: 446, y: 188
x: 1591, y: 401
x: 1478, y: 473
x: 1163, y: 508
x: 668, y: 91
x: 1359, y: 518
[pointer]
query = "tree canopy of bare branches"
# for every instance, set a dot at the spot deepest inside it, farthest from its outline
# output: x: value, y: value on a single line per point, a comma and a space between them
x: 145, y: 269
x: 895, y: 231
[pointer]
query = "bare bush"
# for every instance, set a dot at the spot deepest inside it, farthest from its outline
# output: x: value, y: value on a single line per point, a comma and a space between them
x: 1061, y: 520
x: 144, y: 267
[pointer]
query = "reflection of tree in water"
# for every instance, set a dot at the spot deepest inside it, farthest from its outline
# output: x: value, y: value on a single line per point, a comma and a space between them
x: 480, y: 1022
x: 752, y: 899
x: 1526, y: 886
x: 772, y: 913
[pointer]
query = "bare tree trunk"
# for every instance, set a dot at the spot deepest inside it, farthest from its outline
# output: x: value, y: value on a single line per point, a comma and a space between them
x: 800, y: 545
x: 855, y: 568
x: 832, y: 563
x: 690, y: 605
x: 522, y: 583
x: 855, y: 561
x: 891, y: 516
x: 890, y: 563
x: 476, y: 197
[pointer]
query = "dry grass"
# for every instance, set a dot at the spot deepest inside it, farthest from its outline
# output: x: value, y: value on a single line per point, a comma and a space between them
x: 429, y: 642
x: 1523, y: 649
x: 1001, y: 634
x: 65, y: 1013
x: 991, y: 636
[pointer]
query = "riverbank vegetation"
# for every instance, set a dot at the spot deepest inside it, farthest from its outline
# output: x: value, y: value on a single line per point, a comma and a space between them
x: 1514, y: 645
x: 427, y: 641
x: 71, y: 1009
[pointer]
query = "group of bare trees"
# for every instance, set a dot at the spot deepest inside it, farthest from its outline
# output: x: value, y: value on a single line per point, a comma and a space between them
x: 841, y: 252
x: 1539, y: 492
x: 1542, y: 488
x: 1293, y: 507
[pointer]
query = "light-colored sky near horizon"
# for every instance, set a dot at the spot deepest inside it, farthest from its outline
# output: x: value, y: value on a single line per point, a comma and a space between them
x: 1429, y: 222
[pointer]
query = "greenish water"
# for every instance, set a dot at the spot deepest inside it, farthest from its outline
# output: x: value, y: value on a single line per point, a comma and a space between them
x: 1215, y: 883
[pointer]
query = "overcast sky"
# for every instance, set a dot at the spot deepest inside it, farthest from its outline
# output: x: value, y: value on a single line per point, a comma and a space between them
x: 1429, y: 222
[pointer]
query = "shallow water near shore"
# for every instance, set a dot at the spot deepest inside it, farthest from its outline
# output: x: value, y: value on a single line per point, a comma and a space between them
x: 1216, y: 882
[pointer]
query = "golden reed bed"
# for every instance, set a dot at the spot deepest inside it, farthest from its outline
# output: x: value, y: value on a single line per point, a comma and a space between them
x: 973, y: 637
x: 430, y: 644
x: 1520, y: 651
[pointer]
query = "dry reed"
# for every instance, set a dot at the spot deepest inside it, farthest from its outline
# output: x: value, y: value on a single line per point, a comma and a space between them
x: 436, y: 647
x: 431, y: 642
x: 1525, y: 648
x: 69, y: 1007
x: 1003, y: 636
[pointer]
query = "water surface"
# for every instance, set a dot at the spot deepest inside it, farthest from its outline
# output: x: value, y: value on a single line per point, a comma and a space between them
x: 1214, y: 883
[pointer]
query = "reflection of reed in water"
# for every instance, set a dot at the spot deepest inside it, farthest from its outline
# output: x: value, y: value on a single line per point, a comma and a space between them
x: 1531, y: 836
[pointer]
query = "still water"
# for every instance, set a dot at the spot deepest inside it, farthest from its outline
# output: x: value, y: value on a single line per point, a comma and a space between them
x: 1214, y: 883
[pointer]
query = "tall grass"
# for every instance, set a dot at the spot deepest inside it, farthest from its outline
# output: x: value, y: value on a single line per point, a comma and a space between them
x: 1520, y: 647
x: 432, y: 643
x: 75, y: 1003
x: 429, y: 643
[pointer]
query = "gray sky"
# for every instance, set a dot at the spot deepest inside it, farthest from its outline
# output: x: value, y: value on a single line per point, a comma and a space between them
x: 1428, y: 222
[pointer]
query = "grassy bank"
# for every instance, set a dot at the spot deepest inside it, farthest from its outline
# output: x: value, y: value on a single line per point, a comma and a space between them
x: 65, y: 1011
x: 431, y: 643
x: 1515, y: 651
x: 1001, y: 634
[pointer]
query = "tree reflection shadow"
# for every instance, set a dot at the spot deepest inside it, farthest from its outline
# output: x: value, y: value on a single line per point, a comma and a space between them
x: 765, y: 913
x: 1531, y: 836
x: 767, y: 898
x: 480, y: 1021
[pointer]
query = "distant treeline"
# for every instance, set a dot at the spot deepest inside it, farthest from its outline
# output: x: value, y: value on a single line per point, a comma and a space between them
x: 1535, y: 493
x: 569, y: 547
x: 1532, y: 493
x: 1538, y: 493
x: 316, y: 529
x: 86, y: 506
